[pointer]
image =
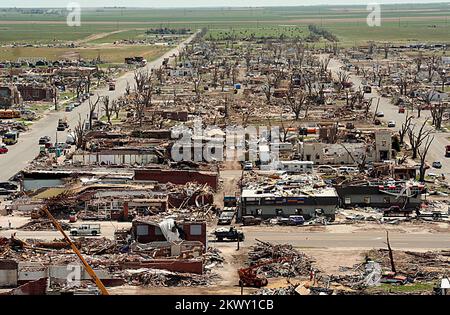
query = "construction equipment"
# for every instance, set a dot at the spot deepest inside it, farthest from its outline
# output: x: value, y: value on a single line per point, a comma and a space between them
x: 248, y: 277
x: 88, y: 268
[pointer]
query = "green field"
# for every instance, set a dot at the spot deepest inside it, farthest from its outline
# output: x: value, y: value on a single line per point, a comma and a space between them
x: 400, y: 23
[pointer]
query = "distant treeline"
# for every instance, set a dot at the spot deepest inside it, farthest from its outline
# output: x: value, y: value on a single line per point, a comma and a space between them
x: 165, y: 30
x: 317, y: 32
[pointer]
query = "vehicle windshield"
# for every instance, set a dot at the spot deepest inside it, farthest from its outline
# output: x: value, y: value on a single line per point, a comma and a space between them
x: 9, y: 135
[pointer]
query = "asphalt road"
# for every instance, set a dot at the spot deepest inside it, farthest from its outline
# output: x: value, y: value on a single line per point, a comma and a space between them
x: 437, y: 148
x: 22, y: 153
x: 358, y: 240
x: 327, y: 239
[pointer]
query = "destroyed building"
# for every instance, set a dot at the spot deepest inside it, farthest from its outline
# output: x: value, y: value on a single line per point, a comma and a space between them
x: 290, y: 196
x: 36, y: 92
x: 348, y: 153
x: 382, y: 194
x: 9, y: 96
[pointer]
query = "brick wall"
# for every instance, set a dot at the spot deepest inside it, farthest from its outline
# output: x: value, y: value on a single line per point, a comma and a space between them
x: 179, y: 177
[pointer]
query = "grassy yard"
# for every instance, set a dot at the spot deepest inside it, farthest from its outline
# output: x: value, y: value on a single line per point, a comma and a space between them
x: 407, y: 288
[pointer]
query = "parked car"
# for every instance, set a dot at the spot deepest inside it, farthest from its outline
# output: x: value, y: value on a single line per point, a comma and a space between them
x: 251, y: 220
x: 69, y: 108
x: 401, y: 110
x: 380, y: 114
x: 326, y: 169
x: 3, y: 149
x: 248, y: 166
x: 391, y: 124
x: 44, y: 140
x: 86, y: 229
x: 436, y: 164
x: 346, y: 170
x: 296, y: 220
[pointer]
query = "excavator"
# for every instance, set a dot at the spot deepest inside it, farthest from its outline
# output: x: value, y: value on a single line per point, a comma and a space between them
x: 248, y: 277
x: 88, y: 268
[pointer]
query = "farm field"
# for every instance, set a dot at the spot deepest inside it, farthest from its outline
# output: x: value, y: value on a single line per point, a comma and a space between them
x: 407, y: 22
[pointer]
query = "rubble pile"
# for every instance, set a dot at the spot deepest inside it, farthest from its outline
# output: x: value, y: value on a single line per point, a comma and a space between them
x: 289, y: 290
x: 164, y: 278
x: 287, y: 261
x: 42, y: 225
x: 213, y: 258
x: 419, y: 266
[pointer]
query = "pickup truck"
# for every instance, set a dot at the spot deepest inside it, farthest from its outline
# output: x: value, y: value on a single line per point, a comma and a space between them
x: 86, y: 229
x: 232, y: 234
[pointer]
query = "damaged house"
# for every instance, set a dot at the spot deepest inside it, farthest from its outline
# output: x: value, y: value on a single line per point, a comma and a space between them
x: 9, y: 96
x: 36, y: 93
x: 346, y: 153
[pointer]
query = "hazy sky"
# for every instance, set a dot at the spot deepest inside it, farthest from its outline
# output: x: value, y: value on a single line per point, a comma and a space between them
x: 192, y: 3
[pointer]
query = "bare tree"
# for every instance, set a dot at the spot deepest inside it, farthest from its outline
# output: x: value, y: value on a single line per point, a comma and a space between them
x: 386, y: 50
x: 423, y: 151
x: 342, y: 80
x: 197, y: 80
x: 116, y: 107
x: 107, y: 108
x: 92, y: 109
x: 139, y: 105
x: 234, y: 74
x: 437, y: 113
x: 268, y: 86
x: 297, y: 102
x: 128, y: 88
x: 141, y: 79
x: 416, y: 138
x: 79, y: 134
x: 404, y: 128
x: 215, y: 76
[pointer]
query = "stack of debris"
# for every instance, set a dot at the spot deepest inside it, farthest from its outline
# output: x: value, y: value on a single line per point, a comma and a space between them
x: 164, y: 278
x: 42, y: 225
x: 289, y: 290
x: 287, y: 261
x: 212, y: 258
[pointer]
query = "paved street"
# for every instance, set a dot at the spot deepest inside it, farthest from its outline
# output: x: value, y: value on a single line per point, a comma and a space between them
x: 27, y: 148
x: 441, y: 139
x: 360, y: 240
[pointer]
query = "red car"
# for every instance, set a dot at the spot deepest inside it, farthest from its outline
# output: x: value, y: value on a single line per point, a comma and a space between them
x: 3, y: 150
